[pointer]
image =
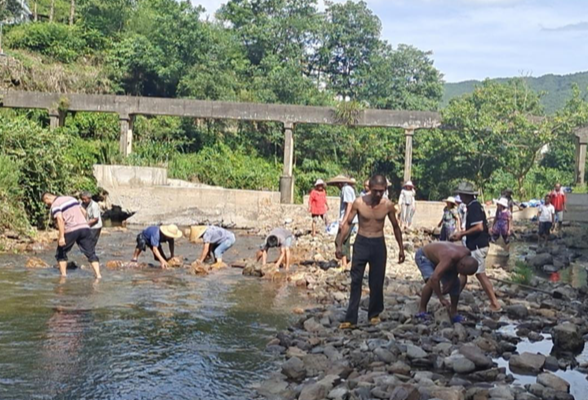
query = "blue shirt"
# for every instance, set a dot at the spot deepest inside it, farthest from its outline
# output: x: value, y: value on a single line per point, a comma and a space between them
x: 216, y: 235
x: 154, y: 237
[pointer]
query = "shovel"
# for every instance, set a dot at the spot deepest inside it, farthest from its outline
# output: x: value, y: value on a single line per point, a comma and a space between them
x: 555, y: 294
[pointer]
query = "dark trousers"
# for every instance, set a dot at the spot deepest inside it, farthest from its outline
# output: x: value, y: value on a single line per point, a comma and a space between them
x: 374, y: 252
x: 84, y: 240
x: 95, y: 235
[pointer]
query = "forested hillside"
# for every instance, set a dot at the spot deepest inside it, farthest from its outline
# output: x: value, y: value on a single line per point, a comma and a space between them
x: 556, y: 89
x: 266, y: 51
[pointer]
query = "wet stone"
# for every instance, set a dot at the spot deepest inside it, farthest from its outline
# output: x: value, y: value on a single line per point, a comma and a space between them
x: 553, y: 382
x: 527, y: 362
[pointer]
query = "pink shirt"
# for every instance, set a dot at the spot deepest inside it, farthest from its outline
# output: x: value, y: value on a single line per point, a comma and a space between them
x: 71, y: 212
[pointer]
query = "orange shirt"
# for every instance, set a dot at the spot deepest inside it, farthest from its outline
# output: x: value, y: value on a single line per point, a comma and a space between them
x: 558, y: 199
x: 318, y: 202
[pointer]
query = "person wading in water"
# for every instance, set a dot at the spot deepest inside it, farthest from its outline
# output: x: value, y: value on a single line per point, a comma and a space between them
x: 369, y: 247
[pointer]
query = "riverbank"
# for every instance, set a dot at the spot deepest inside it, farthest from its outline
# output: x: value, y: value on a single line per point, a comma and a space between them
x: 490, y: 356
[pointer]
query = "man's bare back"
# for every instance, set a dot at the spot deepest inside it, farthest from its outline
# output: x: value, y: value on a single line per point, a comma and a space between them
x: 372, y: 217
x: 438, y: 251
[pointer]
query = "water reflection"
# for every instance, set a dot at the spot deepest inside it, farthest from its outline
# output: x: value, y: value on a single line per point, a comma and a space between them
x: 137, y: 334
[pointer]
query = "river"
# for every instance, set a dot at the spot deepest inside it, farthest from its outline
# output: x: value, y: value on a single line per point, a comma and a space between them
x: 137, y: 334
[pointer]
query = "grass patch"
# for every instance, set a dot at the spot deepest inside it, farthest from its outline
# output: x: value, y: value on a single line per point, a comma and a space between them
x: 522, y: 273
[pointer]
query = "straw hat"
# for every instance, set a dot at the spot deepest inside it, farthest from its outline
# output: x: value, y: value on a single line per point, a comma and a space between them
x: 319, y: 182
x: 171, y: 231
x: 451, y: 200
x: 503, y: 202
x: 408, y: 183
x: 196, y: 232
x: 340, y: 179
x: 466, y: 188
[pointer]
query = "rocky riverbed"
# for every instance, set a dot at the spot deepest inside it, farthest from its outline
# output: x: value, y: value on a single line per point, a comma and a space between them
x: 405, y: 358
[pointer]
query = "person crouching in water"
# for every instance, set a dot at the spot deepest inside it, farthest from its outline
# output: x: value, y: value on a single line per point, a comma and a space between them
x: 317, y: 204
x: 443, y: 262
x: 216, y: 241
x: 369, y: 247
x: 502, y: 222
x: 153, y: 237
x: 450, y: 222
x: 282, y: 238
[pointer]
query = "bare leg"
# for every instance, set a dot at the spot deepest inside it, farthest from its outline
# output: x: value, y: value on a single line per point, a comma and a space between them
x: 288, y: 254
x: 489, y: 289
x: 63, y: 268
x: 96, y: 268
x: 344, y: 262
x: 313, y: 227
x: 425, y: 297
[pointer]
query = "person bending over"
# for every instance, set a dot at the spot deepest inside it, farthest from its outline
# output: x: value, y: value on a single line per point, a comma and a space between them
x: 282, y: 238
x: 443, y: 262
x: 216, y: 241
x: 152, y: 238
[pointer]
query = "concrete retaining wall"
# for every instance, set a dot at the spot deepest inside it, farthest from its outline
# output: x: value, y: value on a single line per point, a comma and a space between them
x: 113, y: 176
x: 577, y: 205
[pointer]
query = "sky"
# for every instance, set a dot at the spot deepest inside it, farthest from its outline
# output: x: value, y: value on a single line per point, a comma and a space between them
x: 478, y: 39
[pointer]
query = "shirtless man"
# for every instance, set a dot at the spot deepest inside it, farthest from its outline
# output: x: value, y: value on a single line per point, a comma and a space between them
x: 369, y: 247
x: 444, y: 262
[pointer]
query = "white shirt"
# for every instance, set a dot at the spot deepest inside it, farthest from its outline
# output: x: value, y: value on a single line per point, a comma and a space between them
x: 546, y: 213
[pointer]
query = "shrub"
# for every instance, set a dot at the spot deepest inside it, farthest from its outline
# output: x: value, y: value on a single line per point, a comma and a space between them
x: 522, y: 273
x: 219, y: 165
x: 12, y: 215
x: 62, y: 42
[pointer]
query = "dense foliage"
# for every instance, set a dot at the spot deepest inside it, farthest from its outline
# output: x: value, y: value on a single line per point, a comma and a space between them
x: 267, y: 51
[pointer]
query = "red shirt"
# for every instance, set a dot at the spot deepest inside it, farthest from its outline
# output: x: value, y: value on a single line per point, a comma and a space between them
x: 558, y: 199
x: 318, y: 202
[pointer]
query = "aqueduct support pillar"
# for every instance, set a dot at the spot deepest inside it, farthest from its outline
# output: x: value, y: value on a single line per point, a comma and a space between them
x: 408, y: 134
x: 56, y: 118
x: 287, y: 178
x: 126, y: 133
x: 582, y: 135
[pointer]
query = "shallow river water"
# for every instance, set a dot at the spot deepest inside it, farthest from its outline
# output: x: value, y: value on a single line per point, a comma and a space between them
x: 137, y: 334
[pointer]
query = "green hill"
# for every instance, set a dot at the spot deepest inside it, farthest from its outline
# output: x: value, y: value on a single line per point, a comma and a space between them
x: 557, y: 88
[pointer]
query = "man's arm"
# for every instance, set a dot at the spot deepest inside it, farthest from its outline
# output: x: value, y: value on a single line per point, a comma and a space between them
x: 282, y: 256
x: 205, y: 250
x: 159, y: 256
x: 397, y: 231
x: 172, y: 247
x: 61, y: 228
x: 345, y: 227
x: 565, y: 202
x: 474, y: 229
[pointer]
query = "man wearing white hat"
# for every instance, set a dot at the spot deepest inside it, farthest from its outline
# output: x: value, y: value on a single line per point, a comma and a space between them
x: 153, y: 237
x: 317, y: 204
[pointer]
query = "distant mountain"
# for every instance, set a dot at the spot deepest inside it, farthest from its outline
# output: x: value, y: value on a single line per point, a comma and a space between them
x: 557, y: 88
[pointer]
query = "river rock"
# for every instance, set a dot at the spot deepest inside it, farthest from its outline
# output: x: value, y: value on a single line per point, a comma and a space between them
x: 540, y: 260
x: 312, y: 325
x: 554, y: 382
x: 462, y: 365
x: 384, y: 355
x: 566, y: 337
x: 114, y: 264
x: 315, y: 391
x: 404, y: 392
x: 294, y: 369
x: 198, y: 268
x: 400, y: 368
x: 527, y: 362
x: 35, y: 262
x: 339, y: 393
x: 453, y: 393
x: 475, y: 355
x: 415, y: 352
x: 175, y: 262
x: 502, y: 393
x: 517, y: 311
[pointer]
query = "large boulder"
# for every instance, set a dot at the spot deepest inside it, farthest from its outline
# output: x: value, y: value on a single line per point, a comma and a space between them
x: 527, y: 363
x: 566, y: 337
x: 554, y: 382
